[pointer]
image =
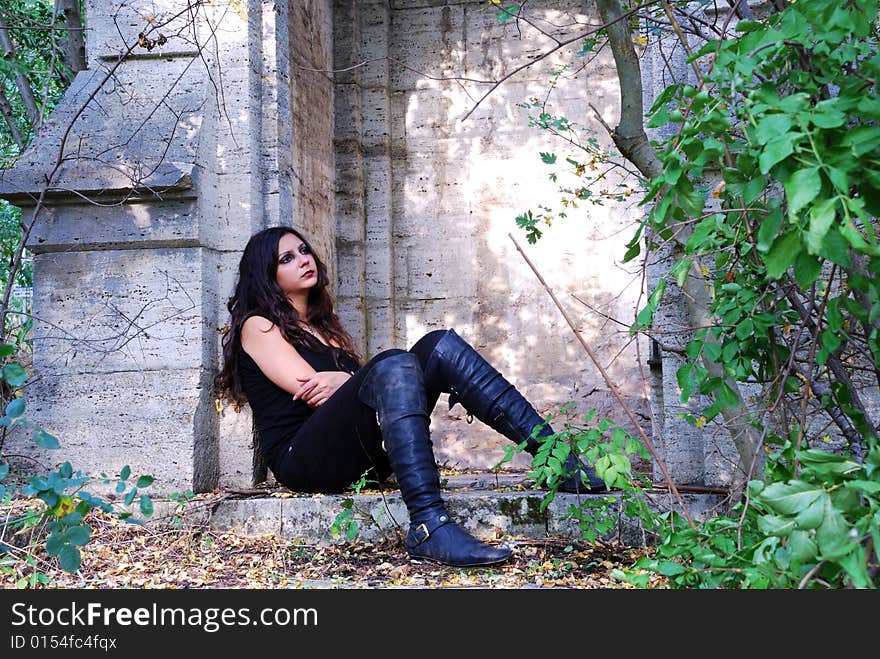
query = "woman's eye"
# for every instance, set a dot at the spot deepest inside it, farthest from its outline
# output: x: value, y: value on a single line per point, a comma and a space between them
x: 303, y: 250
x: 285, y: 259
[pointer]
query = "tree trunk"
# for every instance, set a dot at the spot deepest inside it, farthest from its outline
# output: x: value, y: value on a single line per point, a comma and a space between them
x: 71, y: 22
x: 21, y: 80
x: 9, y: 116
x: 632, y: 141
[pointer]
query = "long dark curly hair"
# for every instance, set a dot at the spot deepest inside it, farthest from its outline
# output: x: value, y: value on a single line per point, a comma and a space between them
x: 258, y: 293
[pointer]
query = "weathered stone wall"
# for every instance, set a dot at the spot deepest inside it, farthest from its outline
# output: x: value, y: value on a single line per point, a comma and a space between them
x: 182, y: 152
x: 426, y: 199
x: 406, y: 187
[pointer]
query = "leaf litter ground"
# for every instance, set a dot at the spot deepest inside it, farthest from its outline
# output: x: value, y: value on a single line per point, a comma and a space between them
x: 172, y: 554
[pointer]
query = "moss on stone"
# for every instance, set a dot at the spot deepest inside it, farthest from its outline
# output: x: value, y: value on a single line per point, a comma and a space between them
x: 532, y: 514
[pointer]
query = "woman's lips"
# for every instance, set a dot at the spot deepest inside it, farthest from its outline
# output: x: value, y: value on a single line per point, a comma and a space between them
x: 308, y: 273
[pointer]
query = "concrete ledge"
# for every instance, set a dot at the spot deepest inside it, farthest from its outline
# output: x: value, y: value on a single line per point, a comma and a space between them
x: 489, y: 507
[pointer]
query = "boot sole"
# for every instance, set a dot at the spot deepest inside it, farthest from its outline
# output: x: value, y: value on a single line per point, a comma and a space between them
x: 439, y: 562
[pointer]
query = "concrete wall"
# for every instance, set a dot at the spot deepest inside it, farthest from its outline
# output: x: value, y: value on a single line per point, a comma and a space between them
x: 426, y: 199
x: 182, y: 152
x: 410, y: 202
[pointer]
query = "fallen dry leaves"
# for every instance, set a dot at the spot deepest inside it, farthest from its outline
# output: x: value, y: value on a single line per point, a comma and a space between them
x: 174, y: 555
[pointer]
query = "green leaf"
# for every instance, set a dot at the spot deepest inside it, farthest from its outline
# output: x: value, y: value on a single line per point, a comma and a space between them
x: 776, y: 525
x: 647, y: 314
x: 665, y: 96
x: 824, y: 463
x: 146, y: 505
x: 821, y: 218
x: 745, y: 329
x: 78, y: 535
x: 768, y: 230
x: 54, y: 543
x: 6, y: 349
x: 45, y: 440
x: 4, y: 470
x: 801, y: 188
x: 750, y: 26
x: 862, y: 139
x: 813, y: 515
x: 637, y: 580
x: 835, y: 248
x: 782, y: 254
x: 144, y: 481
x: 839, y: 179
x: 15, y: 408
x: 548, y: 158
x: 504, y: 14
x: 680, y: 271
x: 669, y: 568
x: 130, y: 496
x: 685, y: 381
x: 587, y: 46
x: 792, y: 497
x: 776, y: 151
x: 771, y: 127
x: 871, y: 487
x: 802, y: 546
x: 125, y: 472
x: 826, y: 114
x: 807, y: 269
x: 14, y: 374
x: 854, y: 564
x: 833, y: 535
x: 712, y: 351
x: 69, y: 558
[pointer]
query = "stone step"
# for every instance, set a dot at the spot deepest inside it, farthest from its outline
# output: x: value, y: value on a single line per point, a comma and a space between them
x: 490, y: 506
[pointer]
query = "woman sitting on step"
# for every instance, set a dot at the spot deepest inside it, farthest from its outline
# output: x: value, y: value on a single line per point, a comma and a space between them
x: 323, y: 419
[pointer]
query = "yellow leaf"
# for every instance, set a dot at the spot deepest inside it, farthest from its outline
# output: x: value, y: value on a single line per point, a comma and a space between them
x: 63, y: 507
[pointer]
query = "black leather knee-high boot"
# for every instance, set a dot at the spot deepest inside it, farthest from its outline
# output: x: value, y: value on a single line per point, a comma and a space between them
x: 470, y: 380
x: 395, y: 388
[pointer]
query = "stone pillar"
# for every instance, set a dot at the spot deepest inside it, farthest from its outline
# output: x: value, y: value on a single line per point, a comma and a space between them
x: 179, y: 150
x: 365, y: 213
x: 350, y: 190
x: 679, y: 443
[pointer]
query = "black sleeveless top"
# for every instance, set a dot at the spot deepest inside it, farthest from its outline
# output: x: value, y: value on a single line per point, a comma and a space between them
x: 277, y: 417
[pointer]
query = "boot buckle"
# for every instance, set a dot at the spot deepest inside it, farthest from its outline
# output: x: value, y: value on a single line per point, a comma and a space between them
x: 424, y: 529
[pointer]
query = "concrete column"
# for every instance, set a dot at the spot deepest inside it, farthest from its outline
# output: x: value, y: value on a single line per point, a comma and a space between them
x: 350, y: 177
x: 376, y: 133
x: 184, y: 148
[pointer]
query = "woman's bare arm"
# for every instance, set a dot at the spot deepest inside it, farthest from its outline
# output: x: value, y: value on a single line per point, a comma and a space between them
x: 279, y: 361
x: 283, y: 365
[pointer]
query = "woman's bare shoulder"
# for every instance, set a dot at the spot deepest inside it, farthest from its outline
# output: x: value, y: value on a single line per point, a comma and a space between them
x: 257, y: 323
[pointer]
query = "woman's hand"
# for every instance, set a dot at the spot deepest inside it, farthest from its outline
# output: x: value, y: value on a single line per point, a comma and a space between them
x: 315, y: 389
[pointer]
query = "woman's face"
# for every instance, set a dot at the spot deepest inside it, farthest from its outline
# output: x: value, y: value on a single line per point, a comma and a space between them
x: 297, y: 271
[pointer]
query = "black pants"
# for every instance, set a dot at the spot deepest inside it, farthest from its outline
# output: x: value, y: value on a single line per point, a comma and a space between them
x: 341, y: 440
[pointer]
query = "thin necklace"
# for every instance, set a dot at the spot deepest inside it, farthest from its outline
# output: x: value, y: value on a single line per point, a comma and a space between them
x: 308, y: 328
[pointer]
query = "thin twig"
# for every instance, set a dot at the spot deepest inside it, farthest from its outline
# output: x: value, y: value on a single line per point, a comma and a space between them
x: 649, y: 445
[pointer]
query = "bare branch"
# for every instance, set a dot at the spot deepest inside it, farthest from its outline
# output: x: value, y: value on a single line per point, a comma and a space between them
x: 9, y: 118
x: 646, y: 441
x: 21, y: 80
